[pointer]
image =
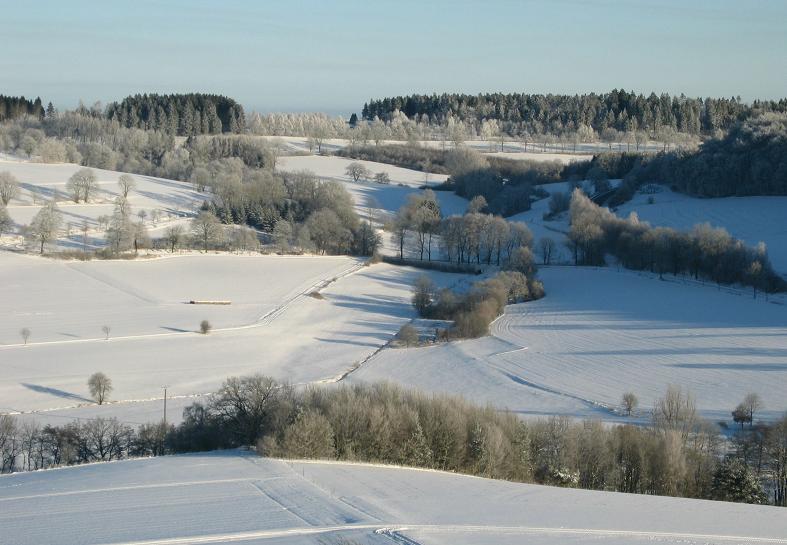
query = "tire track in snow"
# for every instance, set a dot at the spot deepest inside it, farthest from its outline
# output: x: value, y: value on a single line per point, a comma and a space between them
x: 454, y: 529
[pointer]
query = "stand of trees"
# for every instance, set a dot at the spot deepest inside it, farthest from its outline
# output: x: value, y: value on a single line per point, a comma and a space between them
x: 179, y: 114
x: 476, y: 237
x: 678, y: 455
x: 293, y: 206
x: 472, y: 312
x: 750, y: 160
x: 16, y: 107
x: 703, y: 252
x: 535, y: 113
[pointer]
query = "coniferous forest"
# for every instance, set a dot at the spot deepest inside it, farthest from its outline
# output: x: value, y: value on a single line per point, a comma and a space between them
x: 15, y: 107
x: 180, y: 114
x: 538, y: 113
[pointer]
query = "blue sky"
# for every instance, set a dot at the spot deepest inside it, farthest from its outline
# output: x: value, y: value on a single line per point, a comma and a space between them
x: 304, y: 55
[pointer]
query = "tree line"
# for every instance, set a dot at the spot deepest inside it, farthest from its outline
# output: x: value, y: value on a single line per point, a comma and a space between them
x: 179, y: 114
x: 537, y: 113
x: 750, y: 160
x: 703, y: 252
x: 295, y: 208
x: 419, y: 230
x: 679, y: 454
x: 16, y: 107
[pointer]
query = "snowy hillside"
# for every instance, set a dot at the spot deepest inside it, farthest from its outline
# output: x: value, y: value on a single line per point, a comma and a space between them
x: 600, y: 333
x: 751, y: 219
x: 272, y: 325
x: 40, y: 182
x: 231, y: 497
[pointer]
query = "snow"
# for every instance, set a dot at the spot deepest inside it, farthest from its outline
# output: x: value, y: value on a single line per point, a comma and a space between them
x: 751, y: 219
x: 555, y: 229
x: 272, y: 326
x: 385, y: 199
x: 47, y: 180
x: 600, y: 333
x: 225, y: 497
x: 512, y: 150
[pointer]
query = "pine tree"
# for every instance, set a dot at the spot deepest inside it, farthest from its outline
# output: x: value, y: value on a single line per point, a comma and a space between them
x: 734, y: 481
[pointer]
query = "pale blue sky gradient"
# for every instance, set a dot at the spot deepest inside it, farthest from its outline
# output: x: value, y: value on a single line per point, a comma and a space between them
x: 310, y: 55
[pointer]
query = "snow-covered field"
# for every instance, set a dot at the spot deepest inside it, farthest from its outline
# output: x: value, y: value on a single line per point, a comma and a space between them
x: 751, y: 219
x: 40, y: 182
x: 229, y: 497
x: 272, y: 326
x: 384, y: 199
x: 600, y: 333
x: 512, y: 149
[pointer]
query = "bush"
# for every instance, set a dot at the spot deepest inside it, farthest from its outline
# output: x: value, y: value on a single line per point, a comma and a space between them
x: 474, y: 311
x: 205, y: 327
x: 408, y: 335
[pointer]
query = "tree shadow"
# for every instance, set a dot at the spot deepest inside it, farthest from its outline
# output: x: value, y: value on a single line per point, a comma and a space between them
x: 54, y: 392
x: 176, y: 329
x: 734, y: 366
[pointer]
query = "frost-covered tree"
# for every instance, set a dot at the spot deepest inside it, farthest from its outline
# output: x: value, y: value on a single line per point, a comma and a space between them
x: 206, y: 228
x: 9, y: 187
x: 81, y: 184
x: 126, y: 183
x: 282, y: 235
x: 356, y: 171
x: 45, y: 225
x: 5, y: 220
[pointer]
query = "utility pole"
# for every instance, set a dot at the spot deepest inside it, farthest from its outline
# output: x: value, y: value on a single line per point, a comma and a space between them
x: 165, y: 404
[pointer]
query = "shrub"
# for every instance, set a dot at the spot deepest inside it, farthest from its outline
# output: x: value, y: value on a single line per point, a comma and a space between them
x: 408, y: 335
x: 205, y: 327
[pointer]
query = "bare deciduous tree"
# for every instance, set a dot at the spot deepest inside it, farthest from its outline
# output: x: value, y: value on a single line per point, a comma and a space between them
x: 25, y: 333
x: 106, y: 329
x: 127, y: 183
x: 356, y: 171
x: 546, y: 247
x: 173, y: 235
x: 630, y: 402
x: 100, y: 387
x: 676, y: 411
x: 206, y: 228
x: 753, y: 403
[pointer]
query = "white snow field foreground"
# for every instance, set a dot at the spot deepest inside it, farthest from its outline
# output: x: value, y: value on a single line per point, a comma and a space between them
x: 272, y: 326
x: 751, y: 219
x: 234, y: 497
x: 599, y: 333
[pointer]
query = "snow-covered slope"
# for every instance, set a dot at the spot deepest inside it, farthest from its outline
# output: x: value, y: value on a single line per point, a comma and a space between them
x: 600, y: 333
x: 276, y: 329
x: 172, y: 199
x: 752, y: 219
x: 233, y: 497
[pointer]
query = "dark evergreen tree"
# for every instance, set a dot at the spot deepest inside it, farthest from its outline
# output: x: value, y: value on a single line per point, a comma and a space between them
x: 181, y: 114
